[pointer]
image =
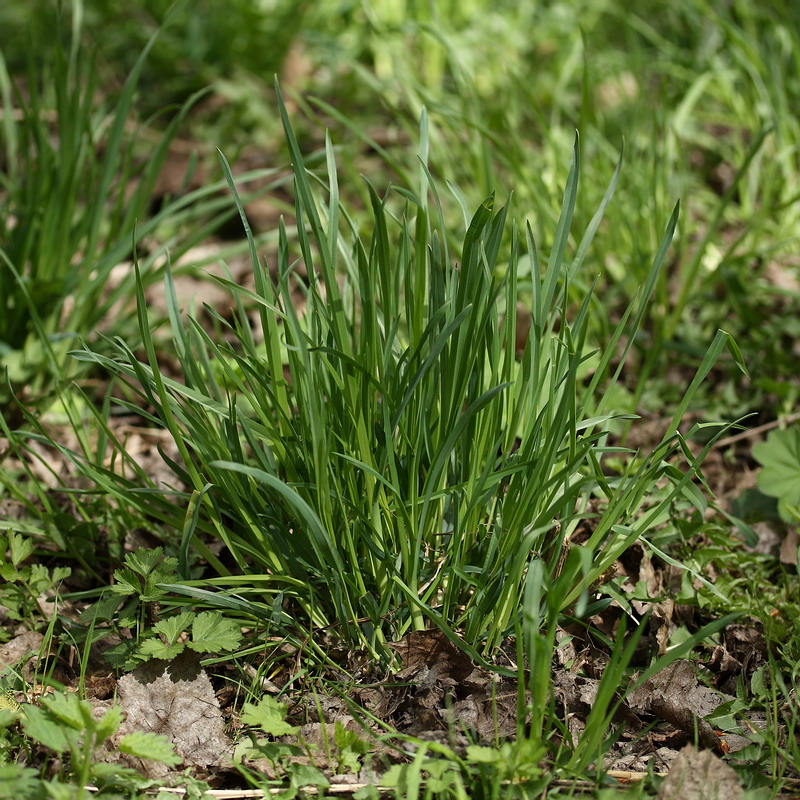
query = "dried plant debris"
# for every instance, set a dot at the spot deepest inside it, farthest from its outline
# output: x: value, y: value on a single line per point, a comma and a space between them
x: 699, y: 775
x: 21, y: 649
x: 439, y: 695
x: 175, y: 699
x: 436, y: 694
x: 439, y: 689
x: 741, y: 652
x: 675, y: 695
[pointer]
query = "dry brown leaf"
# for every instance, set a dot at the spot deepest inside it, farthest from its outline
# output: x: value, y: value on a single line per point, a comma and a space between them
x: 447, y: 691
x: 21, y: 647
x: 431, y: 652
x: 678, y: 697
x: 699, y: 776
x: 175, y: 699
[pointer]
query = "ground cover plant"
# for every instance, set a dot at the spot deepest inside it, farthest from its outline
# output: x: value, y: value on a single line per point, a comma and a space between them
x: 418, y: 498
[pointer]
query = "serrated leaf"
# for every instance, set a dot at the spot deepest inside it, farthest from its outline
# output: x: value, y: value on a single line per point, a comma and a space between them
x: 150, y: 745
x: 127, y: 582
x: 348, y: 761
x: 19, y: 781
x: 67, y: 708
x: 59, y: 791
x: 164, y: 572
x: 40, y: 726
x: 127, y: 616
x: 155, y: 648
x: 213, y: 633
x: 40, y: 579
x: 144, y: 560
x: 350, y: 747
x: 480, y: 754
x: 268, y: 714
x: 780, y: 460
x: 60, y: 573
x: 108, y: 724
x: 172, y: 627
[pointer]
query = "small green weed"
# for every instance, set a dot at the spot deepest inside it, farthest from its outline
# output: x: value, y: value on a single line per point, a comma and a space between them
x: 134, y: 604
x: 269, y: 717
x: 68, y: 727
x: 24, y: 582
x: 779, y: 457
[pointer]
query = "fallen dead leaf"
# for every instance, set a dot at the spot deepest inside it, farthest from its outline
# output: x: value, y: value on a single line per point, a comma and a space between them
x: 20, y: 648
x: 431, y: 652
x: 677, y: 696
x: 699, y: 776
x: 175, y: 699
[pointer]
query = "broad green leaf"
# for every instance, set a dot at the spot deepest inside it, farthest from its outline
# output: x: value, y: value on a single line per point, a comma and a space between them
x: 306, y: 775
x: 127, y: 582
x: 39, y: 725
x: 213, y: 633
x: 350, y: 747
x: 155, y: 648
x: 108, y: 724
x: 268, y: 714
x: 104, y: 609
x: 172, y: 627
x: 18, y: 781
x: 479, y: 754
x: 143, y: 560
x: 122, y: 655
x: 20, y: 546
x: 67, y: 708
x: 150, y: 745
x: 779, y: 457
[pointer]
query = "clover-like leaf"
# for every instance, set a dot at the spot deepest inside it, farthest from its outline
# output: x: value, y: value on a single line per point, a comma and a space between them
x: 213, y: 633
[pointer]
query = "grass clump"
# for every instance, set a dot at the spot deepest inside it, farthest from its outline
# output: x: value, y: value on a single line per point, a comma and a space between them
x: 75, y: 198
x: 386, y: 459
x: 400, y: 432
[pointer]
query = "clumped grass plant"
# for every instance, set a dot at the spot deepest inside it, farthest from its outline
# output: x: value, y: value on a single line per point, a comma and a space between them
x: 384, y: 460
x: 77, y: 186
x: 700, y: 95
